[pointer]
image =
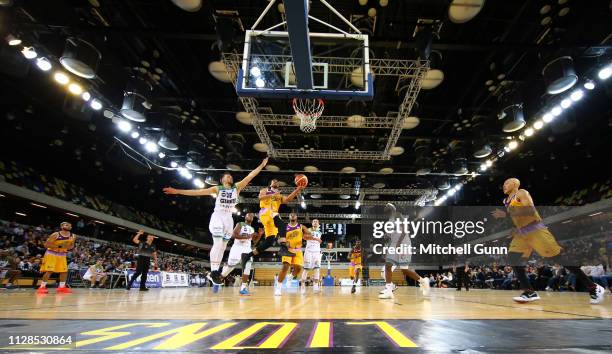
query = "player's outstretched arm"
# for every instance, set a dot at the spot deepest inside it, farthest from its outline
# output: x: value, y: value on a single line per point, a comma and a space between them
x: 293, y: 194
x: 51, y: 240
x: 191, y: 192
x: 136, y: 238
x: 246, y: 180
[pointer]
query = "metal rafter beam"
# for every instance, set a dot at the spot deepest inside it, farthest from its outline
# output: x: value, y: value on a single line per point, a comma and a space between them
x: 335, y: 202
x: 348, y: 190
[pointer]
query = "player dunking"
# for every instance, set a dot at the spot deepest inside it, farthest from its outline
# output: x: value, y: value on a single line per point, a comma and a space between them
x: 221, y: 224
x: 531, y: 235
x: 270, y: 200
x: 400, y: 260
x: 295, y: 233
x: 243, y: 234
x: 356, y: 266
x: 54, y: 261
x: 312, y: 256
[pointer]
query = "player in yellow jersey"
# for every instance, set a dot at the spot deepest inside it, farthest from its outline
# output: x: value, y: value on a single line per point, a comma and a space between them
x: 530, y: 234
x: 54, y: 261
x: 270, y: 200
x: 294, y: 235
x: 356, y: 266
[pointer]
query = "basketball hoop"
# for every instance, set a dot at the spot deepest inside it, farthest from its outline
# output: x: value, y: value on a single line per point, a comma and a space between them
x: 308, y: 110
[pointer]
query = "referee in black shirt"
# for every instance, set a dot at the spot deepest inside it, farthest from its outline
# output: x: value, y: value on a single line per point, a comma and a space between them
x: 146, y: 250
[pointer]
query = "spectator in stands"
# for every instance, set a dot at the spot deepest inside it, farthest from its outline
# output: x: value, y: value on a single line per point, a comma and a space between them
x: 96, y: 274
x: 8, y: 264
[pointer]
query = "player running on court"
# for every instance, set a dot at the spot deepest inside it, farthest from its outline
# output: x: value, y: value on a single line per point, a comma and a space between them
x: 356, y: 266
x: 221, y: 224
x: 295, y: 233
x: 312, y: 256
x: 243, y: 234
x: 531, y: 235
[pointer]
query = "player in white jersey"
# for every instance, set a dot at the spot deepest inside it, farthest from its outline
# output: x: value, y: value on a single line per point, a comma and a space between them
x: 221, y: 224
x: 402, y: 261
x: 312, y: 256
x: 243, y: 234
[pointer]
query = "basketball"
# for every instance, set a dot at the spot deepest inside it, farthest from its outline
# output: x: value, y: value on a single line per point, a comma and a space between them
x: 301, y: 180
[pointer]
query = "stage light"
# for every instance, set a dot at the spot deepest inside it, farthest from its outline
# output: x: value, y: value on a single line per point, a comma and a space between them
x: 303, y: 204
x: 556, y: 111
x: 151, y: 147
x: 489, y: 163
x: 80, y: 58
x: 124, y: 126
x: 29, y: 52
x: 451, y: 192
x: 86, y: 96
x: 357, y: 205
x: 547, y: 118
x: 12, y: 40
x: 135, y: 134
x: 589, y: 84
x: 173, y: 164
x: 260, y: 83
x: 577, y: 95
x: 142, y: 140
x: 161, y: 155
x: 95, y: 104
x: 538, y: 125
x: 483, y: 167
x: 565, y: 103
x: 198, y: 183
x: 75, y: 88
x: 185, y: 173
x: 135, y: 100
x: 559, y: 75
x: 605, y: 73
x: 513, y: 144
x: 61, y: 78
x: 458, y: 187
x: 43, y: 64
x: 255, y: 71
x: 529, y: 132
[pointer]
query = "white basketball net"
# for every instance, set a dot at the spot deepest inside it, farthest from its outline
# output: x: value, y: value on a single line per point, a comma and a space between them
x: 308, y: 110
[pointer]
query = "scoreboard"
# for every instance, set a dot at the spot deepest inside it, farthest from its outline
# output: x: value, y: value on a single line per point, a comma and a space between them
x: 334, y: 229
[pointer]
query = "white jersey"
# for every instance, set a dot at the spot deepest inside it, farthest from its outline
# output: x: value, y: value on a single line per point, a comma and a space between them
x: 245, y: 229
x: 314, y: 245
x: 227, y: 198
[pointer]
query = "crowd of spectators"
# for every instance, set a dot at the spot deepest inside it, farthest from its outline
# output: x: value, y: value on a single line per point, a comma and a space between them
x: 22, y: 248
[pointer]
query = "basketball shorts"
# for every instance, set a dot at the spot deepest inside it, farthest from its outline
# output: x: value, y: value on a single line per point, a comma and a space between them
x: 236, y: 252
x: 400, y: 260
x: 312, y: 259
x: 266, y: 219
x: 539, y: 240
x: 221, y: 225
x: 297, y: 260
x: 54, y: 262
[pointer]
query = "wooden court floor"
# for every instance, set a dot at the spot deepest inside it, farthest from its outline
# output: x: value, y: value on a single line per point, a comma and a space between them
x: 198, y: 320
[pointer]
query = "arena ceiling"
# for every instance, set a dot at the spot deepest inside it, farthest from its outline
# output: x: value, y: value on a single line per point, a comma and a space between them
x: 488, y: 62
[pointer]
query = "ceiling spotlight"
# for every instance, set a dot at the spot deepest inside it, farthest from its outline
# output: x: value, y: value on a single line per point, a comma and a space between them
x: 95, y: 104
x: 489, y: 163
x: 173, y: 164
x: 260, y: 83
x: 193, y: 166
x: 135, y: 134
x: 43, y: 64
x: 12, y: 40
x: 577, y: 95
x: 124, y: 126
x: 605, y: 73
x: 135, y: 103
x: 161, y: 155
x: 451, y: 192
x: 589, y: 84
x: 538, y: 125
x: 515, y: 118
x: 566, y: 103
x: 167, y: 144
x: 86, y: 96
x: 61, y: 78
x: 255, y: 71
x: 559, y: 75
x: 29, y: 52
x: 548, y: 117
x: 198, y: 183
x: 185, y: 173
x: 80, y: 58
x: 75, y: 88
x: 303, y: 204
x: 513, y: 144
x: 483, y: 151
x: 151, y: 147
x: 142, y: 140
x: 357, y: 205
x: 529, y: 132
x: 556, y: 111
x: 483, y: 167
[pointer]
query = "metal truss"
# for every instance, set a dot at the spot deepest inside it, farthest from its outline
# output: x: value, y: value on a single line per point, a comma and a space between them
x: 337, y: 202
x: 411, y: 71
x: 327, y: 216
x: 349, y: 190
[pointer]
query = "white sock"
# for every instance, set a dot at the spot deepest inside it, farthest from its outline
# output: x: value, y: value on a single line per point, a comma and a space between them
x: 226, y: 271
x: 216, y: 252
x: 43, y: 284
x: 304, y: 275
x: 62, y: 284
x: 389, y: 286
x: 317, y: 274
x: 214, y: 266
